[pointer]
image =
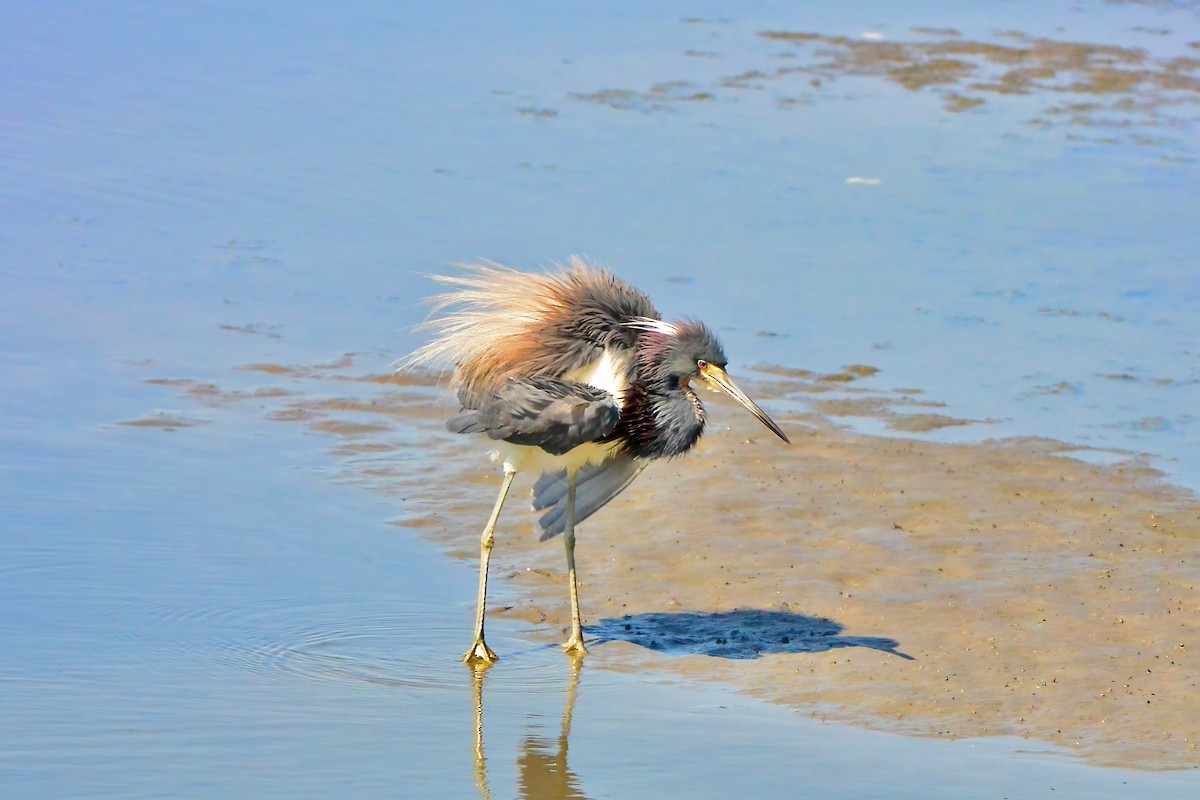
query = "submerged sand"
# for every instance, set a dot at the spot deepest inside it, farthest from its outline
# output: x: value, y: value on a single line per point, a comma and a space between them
x: 1003, y: 587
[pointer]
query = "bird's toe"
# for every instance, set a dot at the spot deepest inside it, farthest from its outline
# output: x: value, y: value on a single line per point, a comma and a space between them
x: 480, y: 653
x: 574, y: 647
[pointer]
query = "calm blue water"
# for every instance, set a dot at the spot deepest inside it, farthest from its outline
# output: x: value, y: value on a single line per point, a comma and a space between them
x: 205, y: 613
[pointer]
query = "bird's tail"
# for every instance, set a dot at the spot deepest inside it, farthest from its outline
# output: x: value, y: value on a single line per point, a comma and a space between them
x: 595, y: 485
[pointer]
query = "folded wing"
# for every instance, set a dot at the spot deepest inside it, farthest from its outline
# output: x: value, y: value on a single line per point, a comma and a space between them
x: 549, y: 413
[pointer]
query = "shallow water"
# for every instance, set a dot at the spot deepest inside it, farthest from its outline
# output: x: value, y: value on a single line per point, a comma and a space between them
x: 210, y: 602
x: 201, y: 618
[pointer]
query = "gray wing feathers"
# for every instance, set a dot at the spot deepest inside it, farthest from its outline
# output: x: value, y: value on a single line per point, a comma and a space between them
x: 552, y: 414
x: 596, y: 484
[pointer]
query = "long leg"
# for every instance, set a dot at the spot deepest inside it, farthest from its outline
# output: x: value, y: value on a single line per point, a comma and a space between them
x: 480, y: 652
x: 574, y: 644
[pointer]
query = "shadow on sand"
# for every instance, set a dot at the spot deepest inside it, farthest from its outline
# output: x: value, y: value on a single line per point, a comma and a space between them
x: 742, y: 634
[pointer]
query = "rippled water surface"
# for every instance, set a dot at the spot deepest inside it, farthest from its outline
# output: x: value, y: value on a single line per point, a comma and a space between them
x: 205, y: 207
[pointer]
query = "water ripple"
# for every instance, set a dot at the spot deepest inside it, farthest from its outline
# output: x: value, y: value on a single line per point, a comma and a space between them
x: 342, y: 642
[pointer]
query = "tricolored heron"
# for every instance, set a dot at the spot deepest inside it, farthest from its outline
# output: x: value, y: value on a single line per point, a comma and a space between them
x: 573, y: 375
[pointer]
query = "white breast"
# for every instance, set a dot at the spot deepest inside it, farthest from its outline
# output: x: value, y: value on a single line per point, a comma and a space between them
x: 609, y: 372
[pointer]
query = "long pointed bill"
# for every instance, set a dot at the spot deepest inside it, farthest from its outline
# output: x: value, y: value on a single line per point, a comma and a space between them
x: 719, y: 379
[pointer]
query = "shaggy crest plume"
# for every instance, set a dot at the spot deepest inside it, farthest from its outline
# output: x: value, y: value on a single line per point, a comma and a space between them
x: 498, y: 323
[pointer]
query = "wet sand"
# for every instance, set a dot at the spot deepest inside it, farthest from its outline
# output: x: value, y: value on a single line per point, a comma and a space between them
x: 1003, y: 587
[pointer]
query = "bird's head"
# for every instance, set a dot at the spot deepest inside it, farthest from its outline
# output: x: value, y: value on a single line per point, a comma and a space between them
x: 680, y: 354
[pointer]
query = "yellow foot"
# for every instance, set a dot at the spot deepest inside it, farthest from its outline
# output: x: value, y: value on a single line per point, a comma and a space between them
x: 574, y: 646
x: 480, y: 653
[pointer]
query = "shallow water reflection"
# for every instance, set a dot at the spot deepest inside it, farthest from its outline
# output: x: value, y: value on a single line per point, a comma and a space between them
x: 543, y: 773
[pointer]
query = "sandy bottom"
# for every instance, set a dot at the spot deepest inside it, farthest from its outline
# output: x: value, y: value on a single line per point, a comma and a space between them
x: 922, y: 588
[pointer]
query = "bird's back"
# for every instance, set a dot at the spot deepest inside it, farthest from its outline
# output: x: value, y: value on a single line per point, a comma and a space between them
x: 499, y: 324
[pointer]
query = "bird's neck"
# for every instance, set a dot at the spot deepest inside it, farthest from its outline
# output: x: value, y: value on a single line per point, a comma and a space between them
x: 659, y: 420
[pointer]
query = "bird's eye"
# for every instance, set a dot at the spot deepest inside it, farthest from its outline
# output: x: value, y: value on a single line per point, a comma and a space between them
x: 701, y: 365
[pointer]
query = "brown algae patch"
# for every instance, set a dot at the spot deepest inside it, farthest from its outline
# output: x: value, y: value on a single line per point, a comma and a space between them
x: 873, y: 405
x: 275, y: 369
x: 924, y: 423
x: 1089, y: 84
x: 917, y: 587
x: 209, y: 394
x: 350, y: 429
x: 164, y: 421
x: 658, y: 97
x: 1022, y: 65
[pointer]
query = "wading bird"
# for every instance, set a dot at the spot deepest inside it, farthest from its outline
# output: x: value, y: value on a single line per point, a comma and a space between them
x: 574, y: 376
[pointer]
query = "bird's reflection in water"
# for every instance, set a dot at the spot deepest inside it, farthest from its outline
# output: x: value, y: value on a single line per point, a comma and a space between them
x: 478, y: 671
x: 543, y: 773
